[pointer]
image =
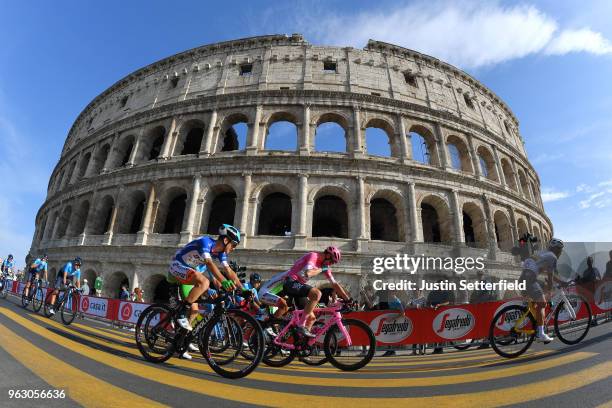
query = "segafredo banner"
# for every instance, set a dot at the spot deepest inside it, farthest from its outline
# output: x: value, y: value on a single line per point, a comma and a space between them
x: 391, y: 327
x: 453, y: 323
x: 603, y: 295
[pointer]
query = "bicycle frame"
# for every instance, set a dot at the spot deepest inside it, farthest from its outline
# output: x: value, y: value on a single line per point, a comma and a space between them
x: 531, y: 308
x: 296, y: 318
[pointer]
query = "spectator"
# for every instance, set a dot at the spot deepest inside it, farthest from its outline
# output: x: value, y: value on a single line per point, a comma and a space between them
x: 138, y: 295
x: 368, y: 298
x: 482, y: 295
x: 416, y: 301
x: 436, y: 299
x: 98, y: 285
x: 589, y: 278
x: 608, y: 274
x: 85, y: 288
x: 124, y: 294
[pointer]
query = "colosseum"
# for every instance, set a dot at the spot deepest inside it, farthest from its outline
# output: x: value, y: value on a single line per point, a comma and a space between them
x: 237, y: 132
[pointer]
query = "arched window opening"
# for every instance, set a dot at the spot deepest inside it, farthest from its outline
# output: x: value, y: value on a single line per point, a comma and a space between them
x: 222, y: 211
x: 83, y: 165
x: 458, y: 154
x: 115, y: 283
x: 521, y: 227
x: 455, y: 157
x: 282, y: 135
x: 275, y: 215
x: 174, y: 217
x: 107, y: 220
x: 193, y: 141
x: 431, y: 224
x: 383, y: 221
x: 80, y: 219
x: 156, y: 147
x: 137, y: 217
x: 63, y: 222
x: 330, y: 217
x: 101, y: 159
x: 378, y: 142
x: 468, y: 229
x: 420, y: 148
x: 230, y: 141
x: 503, y: 231
x: 509, y: 174
x: 474, y: 226
x: 484, y: 169
x: 161, y: 291
x: 330, y: 137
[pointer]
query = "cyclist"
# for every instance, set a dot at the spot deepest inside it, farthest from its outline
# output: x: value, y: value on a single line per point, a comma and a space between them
x: 253, y: 285
x: 71, y: 271
x: 293, y: 283
x: 39, y: 265
x: 7, y: 265
x: 544, y: 261
x: 195, y: 258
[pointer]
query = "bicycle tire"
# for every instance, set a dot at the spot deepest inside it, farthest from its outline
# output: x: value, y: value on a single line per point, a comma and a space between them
x: 4, y: 291
x: 317, y: 355
x: 495, y: 344
x: 217, y: 348
x: 38, y: 299
x: 144, y: 324
x: 68, y: 316
x: 272, y: 350
x: 221, y: 369
x: 462, y: 345
x: 558, y: 332
x: 24, y: 299
x: 47, y: 304
x: 331, y: 355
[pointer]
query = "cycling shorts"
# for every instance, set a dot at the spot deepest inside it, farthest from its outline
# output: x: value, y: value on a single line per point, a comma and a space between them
x: 182, y: 273
x: 59, y: 281
x: 295, y: 288
x: 32, y: 275
x: 533, y: 288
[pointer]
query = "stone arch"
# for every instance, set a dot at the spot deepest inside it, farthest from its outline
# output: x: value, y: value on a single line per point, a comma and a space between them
x: 59, y: 180
x: 273, y: 209
x: 132, y: 212
x: 156, y: 289
x: 100, y: 159
x: 503, y: 230
x: 77, y: 226
x: 83, y: 165
x: 171, y: 211
x: 112, y: 285
x: 374, y: 146
x: 42, y: 226
x: 387, y: 216
x: 123, y: 151
x: 70, y: 173
x: 487, y: 163
x: 330, y: 212
x: 52, y: 274
x: 459, y: 155
x: 233, y: 133
x: 436, y: 220
x: 524, y: 185
x: 90, y: 275
x: 49, y: 233
x: 474, y: 225
x: 220, y: 208
x: 331, y: 133
x: 537, y: 233
x: 152, y: 143
x: 101, y: 221
x: 280, y: 128
x: 190, y: 137
x: 521, y: 226
x: 508, y: 174
x: 423, y: 144
x: 63, y: 222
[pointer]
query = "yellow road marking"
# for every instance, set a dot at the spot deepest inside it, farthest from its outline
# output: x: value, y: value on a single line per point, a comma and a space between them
x: 494, y: 398
x: 80, y: 386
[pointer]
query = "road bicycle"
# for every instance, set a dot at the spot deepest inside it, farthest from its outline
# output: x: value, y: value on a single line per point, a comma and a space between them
x: 66, y: 303
x: 5, y: 284
x: 348, y: 344
x: 35, y: 295
x: 513, y: 328
x: 230, y: 340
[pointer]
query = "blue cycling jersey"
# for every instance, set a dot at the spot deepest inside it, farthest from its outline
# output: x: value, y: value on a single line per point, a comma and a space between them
x: 195, y: 254
x: 39, y: 266
x: 6, y: 264
x: 247, y: 286
x: 71, y: 272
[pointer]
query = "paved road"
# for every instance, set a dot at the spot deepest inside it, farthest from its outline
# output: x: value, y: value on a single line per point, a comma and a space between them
x: 100, y: 366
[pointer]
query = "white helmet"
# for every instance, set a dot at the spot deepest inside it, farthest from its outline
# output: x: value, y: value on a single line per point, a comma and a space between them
x: 555, y: 243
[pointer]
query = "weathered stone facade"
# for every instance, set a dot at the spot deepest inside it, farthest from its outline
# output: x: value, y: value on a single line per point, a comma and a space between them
x: 152, y: 160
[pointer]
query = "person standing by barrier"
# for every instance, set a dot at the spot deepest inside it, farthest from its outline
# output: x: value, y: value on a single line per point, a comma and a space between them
x: 138, y: 295
x: 589, y: 279
x: 98, y: 285
x: 85, y: 288
x: 124, y: 294
x: 437, y: 299
x: 608, y: 273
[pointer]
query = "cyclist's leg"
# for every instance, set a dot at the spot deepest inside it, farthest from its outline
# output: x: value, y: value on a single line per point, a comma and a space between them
x: 298, y: 290
x: 188, y: 276
x: 193, y: 311
x: 56, y: 287
x: 271, y: 299
x: 29, y: 282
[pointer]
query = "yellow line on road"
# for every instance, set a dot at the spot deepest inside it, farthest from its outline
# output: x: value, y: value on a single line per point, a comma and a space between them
x: 79, y: 386
x: 507, y: 396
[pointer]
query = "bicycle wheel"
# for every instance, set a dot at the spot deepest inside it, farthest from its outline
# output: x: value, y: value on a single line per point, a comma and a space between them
x: 234, y: 324
x: 47, y: 304
x: 24, y: 299
x: 354, y: 356
x: 316, y: 355
x: 38, y: 299
x: 572, y: 331
x: 462, y: 344
x: 155, y: 333
x: 503, y: 336
x: 69, y: 308
x: 274, y: 355
x: 4, y: 288
x: 222, y: 335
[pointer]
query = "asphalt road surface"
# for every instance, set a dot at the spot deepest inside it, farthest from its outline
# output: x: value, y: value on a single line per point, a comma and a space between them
x: 99, y: 366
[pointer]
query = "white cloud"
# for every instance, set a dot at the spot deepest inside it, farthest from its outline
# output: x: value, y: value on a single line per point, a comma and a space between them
x: 468, y: 34
x: 583, y: 39
x: 589, y: 201
x: 547, y: 158
x: 549, y: 195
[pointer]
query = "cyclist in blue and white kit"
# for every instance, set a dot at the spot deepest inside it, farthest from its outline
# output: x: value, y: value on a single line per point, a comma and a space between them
x: 195, y: 258
x: 71, y: 271
x: 36, y: 268
x: 7, y: 265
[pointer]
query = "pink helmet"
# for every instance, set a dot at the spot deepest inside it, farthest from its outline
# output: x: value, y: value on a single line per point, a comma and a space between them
x: 335, y: 254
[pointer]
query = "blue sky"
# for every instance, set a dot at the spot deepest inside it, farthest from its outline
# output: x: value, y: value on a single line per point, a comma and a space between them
x: 550, y: 61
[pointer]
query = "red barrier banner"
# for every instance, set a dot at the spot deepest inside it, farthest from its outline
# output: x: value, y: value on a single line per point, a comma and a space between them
x: 130, y: 311
x: 96, y: 307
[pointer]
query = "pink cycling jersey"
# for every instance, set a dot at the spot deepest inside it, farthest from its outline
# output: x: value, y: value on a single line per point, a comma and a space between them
x: 301, y: 270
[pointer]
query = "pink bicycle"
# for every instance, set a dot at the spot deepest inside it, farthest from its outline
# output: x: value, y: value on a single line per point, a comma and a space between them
x: 349, y: 344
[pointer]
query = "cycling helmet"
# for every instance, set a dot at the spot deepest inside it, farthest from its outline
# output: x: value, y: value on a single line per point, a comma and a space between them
x: 77, y: 260
x: 335, y: 254
x: 254, y: 278
x: 231, y: 232
x: 555, y: 243
x: 44, y: 256
x: 10, y: 256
